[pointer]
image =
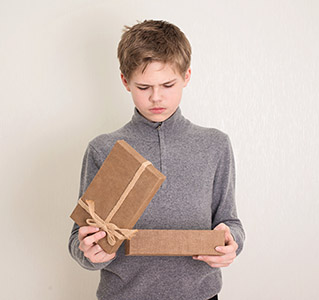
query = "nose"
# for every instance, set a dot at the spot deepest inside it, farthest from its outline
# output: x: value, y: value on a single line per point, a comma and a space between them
x: 155, y: 95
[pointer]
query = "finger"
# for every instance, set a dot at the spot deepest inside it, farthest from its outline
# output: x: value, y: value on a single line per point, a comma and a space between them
x: 230, y: 248
x: 103, y: 257
x: 86, y: 230
x: 98, y: 255
x: 94, y: 238
x: 91, y: 240
x: 92, y: 251
x: 219, y: 265
x: 224, y: 249
x: 217, y: 261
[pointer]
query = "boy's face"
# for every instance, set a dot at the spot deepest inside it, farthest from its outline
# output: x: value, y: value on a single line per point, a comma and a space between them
x: 157, y: 92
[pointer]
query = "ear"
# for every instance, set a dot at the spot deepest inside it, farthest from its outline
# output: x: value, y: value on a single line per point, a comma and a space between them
x: 125, y: 83
x: 187, y: 76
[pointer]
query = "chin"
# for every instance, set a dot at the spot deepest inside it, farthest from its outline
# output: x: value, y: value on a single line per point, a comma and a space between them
x: 157, y: 118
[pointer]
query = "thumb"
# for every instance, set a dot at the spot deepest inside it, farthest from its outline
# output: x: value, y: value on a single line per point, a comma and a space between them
x: 228, y: 237
x: 222, y: 226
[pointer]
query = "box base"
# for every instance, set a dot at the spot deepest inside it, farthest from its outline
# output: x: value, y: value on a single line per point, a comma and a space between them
x: 175, y: 242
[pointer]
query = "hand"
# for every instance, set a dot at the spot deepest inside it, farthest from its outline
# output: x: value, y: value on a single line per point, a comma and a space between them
x: 88, y: 236
x: 229, y: 250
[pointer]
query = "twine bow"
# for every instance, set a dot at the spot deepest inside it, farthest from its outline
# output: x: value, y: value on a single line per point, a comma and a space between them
x: 111, y: 229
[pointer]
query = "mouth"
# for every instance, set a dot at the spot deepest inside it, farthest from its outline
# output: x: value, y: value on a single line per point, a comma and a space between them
x: 157, y: 110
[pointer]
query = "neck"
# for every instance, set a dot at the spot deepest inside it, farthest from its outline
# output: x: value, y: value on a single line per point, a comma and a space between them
x: 174, y: 123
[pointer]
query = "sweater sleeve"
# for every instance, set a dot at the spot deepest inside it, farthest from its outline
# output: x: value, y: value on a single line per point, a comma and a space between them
x: 224, y: 205
x: 89, y: 169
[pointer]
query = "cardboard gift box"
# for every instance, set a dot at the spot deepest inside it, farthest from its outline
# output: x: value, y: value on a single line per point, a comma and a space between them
x: 118, y: 195
x: 175, y: 242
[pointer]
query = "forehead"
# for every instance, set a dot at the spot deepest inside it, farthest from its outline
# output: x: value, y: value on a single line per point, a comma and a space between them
x: 156, y: 71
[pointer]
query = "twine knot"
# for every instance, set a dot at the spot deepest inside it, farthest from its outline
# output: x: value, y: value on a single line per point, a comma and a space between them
x: 111, y: 229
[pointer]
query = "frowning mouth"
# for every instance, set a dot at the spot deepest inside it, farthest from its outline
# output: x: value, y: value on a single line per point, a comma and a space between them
x: 157, y: 110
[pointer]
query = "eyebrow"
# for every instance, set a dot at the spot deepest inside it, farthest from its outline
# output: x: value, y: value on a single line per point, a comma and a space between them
x: 168, y: 82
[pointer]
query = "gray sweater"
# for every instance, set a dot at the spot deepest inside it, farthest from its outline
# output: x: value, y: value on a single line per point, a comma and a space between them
x: 199, y: 193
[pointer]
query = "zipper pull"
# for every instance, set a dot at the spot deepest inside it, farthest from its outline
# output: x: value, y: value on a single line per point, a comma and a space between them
x: 159, y: 126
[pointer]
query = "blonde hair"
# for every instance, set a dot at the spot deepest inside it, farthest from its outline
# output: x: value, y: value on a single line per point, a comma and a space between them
x: 150, y: 41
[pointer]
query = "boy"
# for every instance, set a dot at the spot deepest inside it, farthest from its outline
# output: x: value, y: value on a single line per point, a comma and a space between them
x: 198, y: 163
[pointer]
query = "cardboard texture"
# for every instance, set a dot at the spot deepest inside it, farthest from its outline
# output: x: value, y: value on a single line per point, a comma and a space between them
x: 175, y: 242
x: 110, y: 182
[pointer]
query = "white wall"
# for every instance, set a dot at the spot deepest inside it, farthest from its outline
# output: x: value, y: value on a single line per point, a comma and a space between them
x: 255, y: 76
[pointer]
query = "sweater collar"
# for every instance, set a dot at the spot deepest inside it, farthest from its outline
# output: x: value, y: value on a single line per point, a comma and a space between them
x: 174, y: 122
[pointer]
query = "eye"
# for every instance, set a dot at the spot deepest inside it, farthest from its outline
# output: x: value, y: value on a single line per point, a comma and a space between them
x: 143, y: 89
x: 169, y: 86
